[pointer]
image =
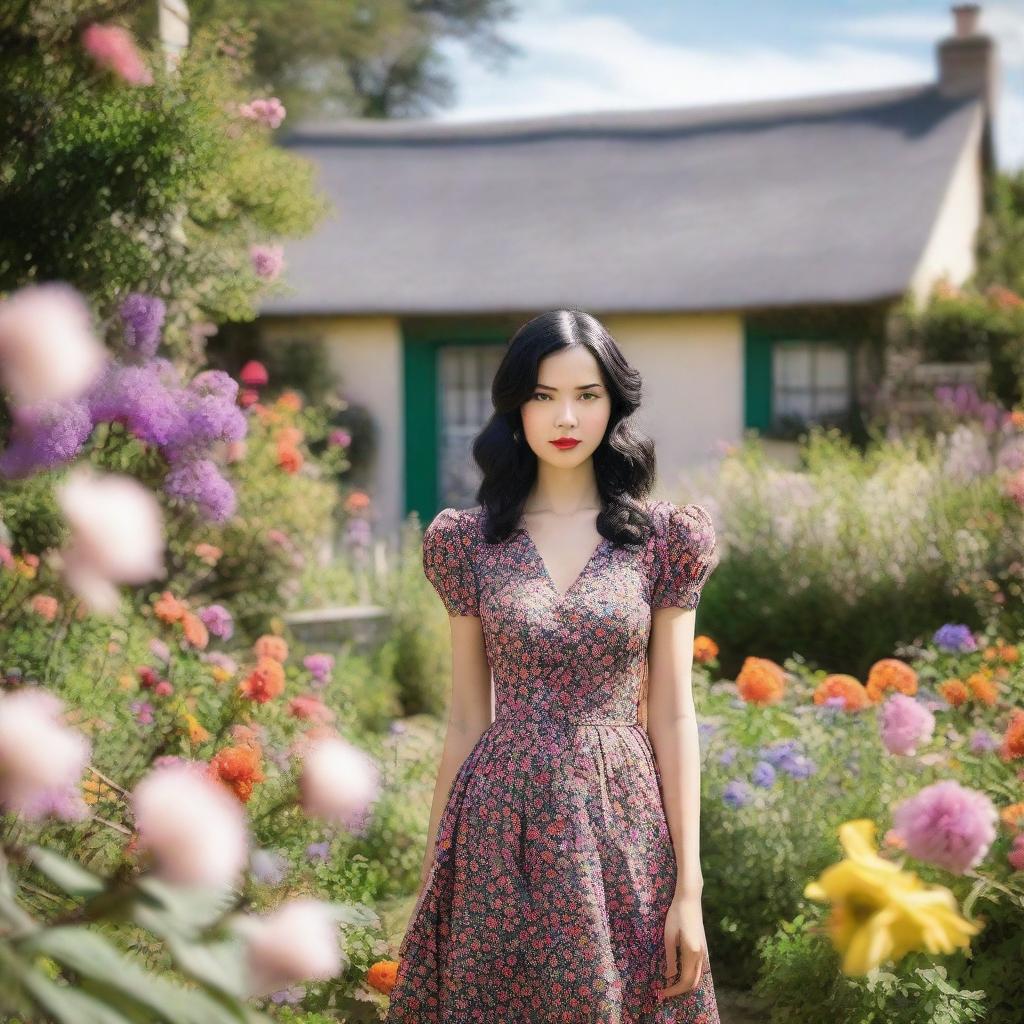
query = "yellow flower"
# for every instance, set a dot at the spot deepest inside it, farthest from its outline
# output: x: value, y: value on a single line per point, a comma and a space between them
x: 881, y: 912
x: 196, y: 733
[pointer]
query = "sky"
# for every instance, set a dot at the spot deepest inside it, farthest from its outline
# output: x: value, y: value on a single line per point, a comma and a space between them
x: 585, y: 55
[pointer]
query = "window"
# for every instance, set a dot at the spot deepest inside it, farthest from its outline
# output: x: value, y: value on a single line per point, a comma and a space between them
x: 810, y: 381
x: 464, y: 380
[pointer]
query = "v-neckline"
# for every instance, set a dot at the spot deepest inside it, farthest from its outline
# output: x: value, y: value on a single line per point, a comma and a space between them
x: 547, y: 575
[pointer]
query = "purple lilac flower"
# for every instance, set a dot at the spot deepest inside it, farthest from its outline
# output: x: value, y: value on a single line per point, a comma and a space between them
x: 948, y: 825
x: 290, y: 996
x: 982, y: 741
x: 221, y: 660
x: 143, y: 316
x: 763, y: 775
x: 955, y: 636
x: 268, y: 866
x: 319, y: 851
x: 320, y: 666
x: 905, y: 724
x: 727, y: 756
x: 777, y: 752
x: 217, y: 383
x: 206, y: 419
x: 200, y: 481
x: 217, y: 619
x: 142, y: 398
x: 737, y: 793
x: 798, y: 766
x: 45, y: 436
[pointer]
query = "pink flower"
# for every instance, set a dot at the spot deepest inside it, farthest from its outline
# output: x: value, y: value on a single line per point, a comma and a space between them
x: 163, y: 688
x: 116, y: 535
x: 269, y: 112
x: 297, y: 942
x: 1016, y: 854
x: 159, y: 649
x: 267, y: 260
x: 339, y: 437
x: 905, y: 724
x: 41, y: 760
x: 47, y: 348
x: 310, y: 708
x: 194, y: 827
x: 948, y: 825
x: 338, y: 782
x: 113, y: 47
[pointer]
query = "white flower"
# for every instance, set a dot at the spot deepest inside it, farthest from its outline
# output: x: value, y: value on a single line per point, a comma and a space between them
x: 192, y: 825
x: 47, y: 348
x: 116, y: 535
x: 338, y: 781
x: 38, y: 753
x: 297, y: 942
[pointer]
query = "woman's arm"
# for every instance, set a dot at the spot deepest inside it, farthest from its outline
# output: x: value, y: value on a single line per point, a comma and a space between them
x: 672, y: 728
x: 469, y: 714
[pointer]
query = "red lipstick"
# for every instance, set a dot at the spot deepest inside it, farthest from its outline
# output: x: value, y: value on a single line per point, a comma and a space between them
x: 566, y: 442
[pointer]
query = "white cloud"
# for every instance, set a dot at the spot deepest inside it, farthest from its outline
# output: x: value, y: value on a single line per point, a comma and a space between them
x: 574, y: 61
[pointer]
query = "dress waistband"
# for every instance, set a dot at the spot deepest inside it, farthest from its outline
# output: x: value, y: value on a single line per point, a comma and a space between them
x: 567, y: 726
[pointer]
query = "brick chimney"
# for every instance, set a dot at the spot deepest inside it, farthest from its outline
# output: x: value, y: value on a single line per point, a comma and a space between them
x: 968, y: 63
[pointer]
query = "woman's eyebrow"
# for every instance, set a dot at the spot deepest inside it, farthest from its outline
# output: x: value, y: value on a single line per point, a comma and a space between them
x: 579, y: 387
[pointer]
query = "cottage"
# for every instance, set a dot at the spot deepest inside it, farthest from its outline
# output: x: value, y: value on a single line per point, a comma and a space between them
x: 745, y: 256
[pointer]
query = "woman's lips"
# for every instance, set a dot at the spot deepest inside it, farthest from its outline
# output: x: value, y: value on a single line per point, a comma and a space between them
x: 565, y: 444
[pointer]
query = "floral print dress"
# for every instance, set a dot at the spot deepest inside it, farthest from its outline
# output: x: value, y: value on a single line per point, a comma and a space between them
x: 554, y: 867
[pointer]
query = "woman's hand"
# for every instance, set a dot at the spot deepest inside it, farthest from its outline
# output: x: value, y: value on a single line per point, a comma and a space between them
x: 685, y: 941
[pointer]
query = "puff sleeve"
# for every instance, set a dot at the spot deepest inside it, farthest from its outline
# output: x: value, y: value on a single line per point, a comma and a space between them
x: 448, y: 562
x: 687, y: 553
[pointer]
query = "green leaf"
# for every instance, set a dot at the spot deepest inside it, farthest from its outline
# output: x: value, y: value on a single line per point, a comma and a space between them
x: 68, y: 1005
x: 71, y: 877
x: 220, y: 965
x: 93, y: 957
x: 182, y: 910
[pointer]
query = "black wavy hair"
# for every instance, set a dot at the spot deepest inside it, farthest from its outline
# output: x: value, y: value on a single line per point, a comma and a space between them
x: 625, y: 465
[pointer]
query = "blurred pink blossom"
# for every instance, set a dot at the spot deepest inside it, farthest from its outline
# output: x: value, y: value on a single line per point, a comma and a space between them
x: 297, y: 942
x: 1016, y: 854
x: 267, y: 260
x: 47, y: 348
x: 338, y: 781
x: 905, y: 724
x: 41, y: 760
x: 116, y: 535
x: 269, y: 112
x: 193, y: 826
x: 113, y: 47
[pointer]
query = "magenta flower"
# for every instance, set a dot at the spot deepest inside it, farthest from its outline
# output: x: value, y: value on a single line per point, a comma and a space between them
x: 217, y: 619
x: 143, y: 711
x: 905, y: 724
x: 341, y: 438
x: 948, y: 825
x: 113, y: 48
x: 320, y: 666
x: 267, y: 260
x: 1016, y: 854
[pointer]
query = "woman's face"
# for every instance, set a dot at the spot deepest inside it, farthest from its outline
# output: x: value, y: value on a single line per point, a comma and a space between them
x: 569, y: 401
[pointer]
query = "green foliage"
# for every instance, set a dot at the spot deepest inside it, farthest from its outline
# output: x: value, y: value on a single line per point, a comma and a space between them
x: 162, y: 187
x: 856, y: 552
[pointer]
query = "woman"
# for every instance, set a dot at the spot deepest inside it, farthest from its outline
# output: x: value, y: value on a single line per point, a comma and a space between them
x: 562, y: 880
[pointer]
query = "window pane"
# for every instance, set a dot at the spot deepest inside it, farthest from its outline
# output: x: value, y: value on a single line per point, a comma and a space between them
x: 792, y: 364
x: 831, y: 367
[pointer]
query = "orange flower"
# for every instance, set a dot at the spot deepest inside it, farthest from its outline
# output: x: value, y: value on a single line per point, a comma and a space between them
x: 382, y: 975
x: 357, y: 501
x: 704, y: 649
x: 1013, y: 816
x: 761, y: 681
x: 209, y: 553
x: 954, y: 691
x: 196, y: 733
x: 289, y: 458
x: 838, y: 684
x: 1017, y: 417
x: 26, y: 567
x: 1009, y: 653
x: 264, y: 682
x: 195, y: 630
x: 983, y: 688
x: 168, y: 608
x: 890, y: 674
x: 1003, y: 298
x: 990, y: 653
x: 270, y: 646
x: 289, y: 435
x: 1013, y: 738
x: 239, y: 769
x: 289, y: 400
x: 45, y: 606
